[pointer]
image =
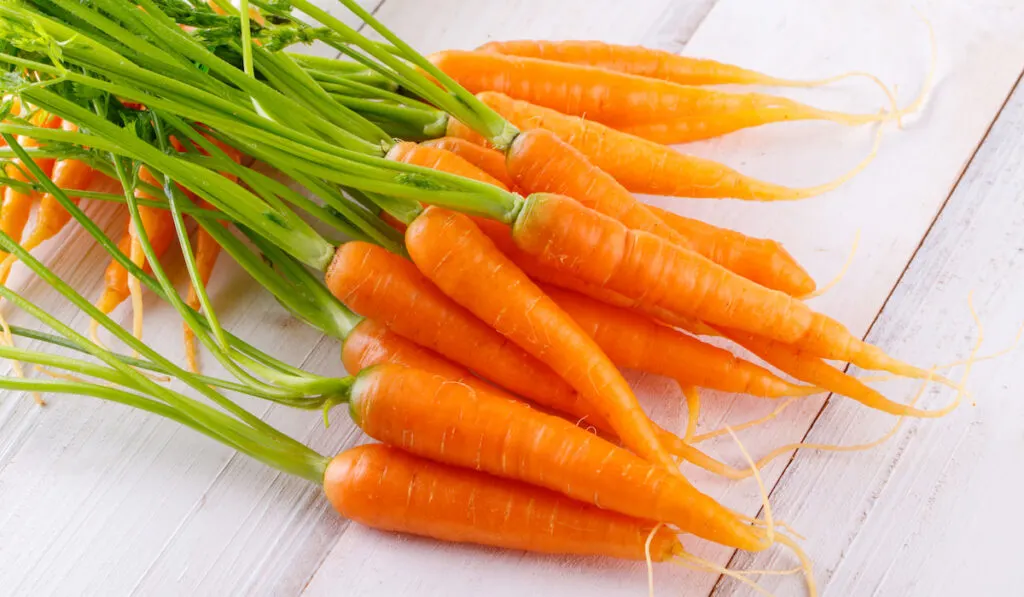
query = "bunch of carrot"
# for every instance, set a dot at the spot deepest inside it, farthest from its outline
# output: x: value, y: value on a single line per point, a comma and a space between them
x: 518, y: 264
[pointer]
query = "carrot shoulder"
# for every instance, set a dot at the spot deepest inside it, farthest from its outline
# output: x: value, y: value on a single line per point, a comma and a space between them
x: 449, y: 249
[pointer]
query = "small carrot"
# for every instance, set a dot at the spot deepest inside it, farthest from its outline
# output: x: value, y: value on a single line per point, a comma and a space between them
x: 371, y: 343
x: 651, y: 63
x: 636, y: 342
x: 388, y: 489
x: 810, y: 369
x: 540, y: 162
x: 450, y: 250
x: 17, y: 205
x: 382, y: 286
x: 437, y: 158
x: 620, y: 100
x: 489, y: 160
x: 658, y: 275
x: 762, y: 260
x: 639, y: 165
x: 458, y: 425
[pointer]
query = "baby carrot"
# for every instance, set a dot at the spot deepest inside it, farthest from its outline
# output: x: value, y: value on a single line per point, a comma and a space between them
x: 17, y: 204
x: 651, y: 63
x: 389, y: 289
x: 159, y: 226
x: 438, y: 158
x: 457, y: 425
x: 489, y: 160
x: 450, y: 250
x: 633, y: 341
x: 639, y: 165
x: 619, y: 99
x: 388, y: 489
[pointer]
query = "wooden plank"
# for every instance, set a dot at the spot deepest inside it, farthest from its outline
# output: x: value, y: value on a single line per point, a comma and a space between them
x: 930, y: 512
x: 980, y: 53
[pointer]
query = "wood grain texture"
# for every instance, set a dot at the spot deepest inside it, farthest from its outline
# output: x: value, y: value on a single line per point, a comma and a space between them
x: 931, y: 511
x: 95, y: 499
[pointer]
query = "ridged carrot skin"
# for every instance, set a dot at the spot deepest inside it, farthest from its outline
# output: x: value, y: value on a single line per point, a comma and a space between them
x: 639, y: 165
x: 371, y: 343
x: 450, y: 423
x: 390, y: 490
x: 762, y: 260
x: 619, y: 99
x: 463, y: 262
x: 382, y: 286
x: 636, y: 342
x: 638, y: 60
x: 489, y: 160
x: 558, y: 230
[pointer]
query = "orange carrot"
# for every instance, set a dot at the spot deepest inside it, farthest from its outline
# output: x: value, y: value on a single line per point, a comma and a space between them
x: 371, y: 343
x: 620, y: 99
x: 382, y: 286
x: 437, y: 158
x: 640, y: 165
x: 17, y: 205
x: 490, y: 161
x: 648, y: 62
x: 810, y: 369
x: 762, y: 260
x: 387, y: 489
x: 457, y: 425
x: 659, y: 275
x: 648, y: 268
x: 633, y: 341
x: 450, y: 250
x: 540, y: 162
x: 159, y: 226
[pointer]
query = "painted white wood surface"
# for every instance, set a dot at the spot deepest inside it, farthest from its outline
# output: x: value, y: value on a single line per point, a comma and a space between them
x: 98, y: 500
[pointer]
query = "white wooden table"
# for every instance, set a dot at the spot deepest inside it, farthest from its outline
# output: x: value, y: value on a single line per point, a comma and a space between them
x: 98, y: 500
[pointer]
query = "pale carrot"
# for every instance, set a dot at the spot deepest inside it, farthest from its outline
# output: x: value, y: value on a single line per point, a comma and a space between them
x: 620, y: 100
x: 651, y: 63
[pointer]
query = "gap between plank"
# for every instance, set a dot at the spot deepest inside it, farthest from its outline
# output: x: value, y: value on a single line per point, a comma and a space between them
x: 881, y: 310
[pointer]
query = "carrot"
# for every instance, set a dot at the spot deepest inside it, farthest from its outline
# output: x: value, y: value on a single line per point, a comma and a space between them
x: 490, y: 161
x: 384, y: 287
x: 159, y: 226
x: 620, y: 100
x: 457, y: 425
x: 633, y: 341
x: 540, y: 162
x: 762, y: 260
x: 17, y: 205
x: 437, y: 158
x: 387, y: 489
x: 651, y: 63
x: 450, y: 250
x: 810, y: 369
x: 371, y: 343
x: 659, y: 276
x: 639, y: 165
